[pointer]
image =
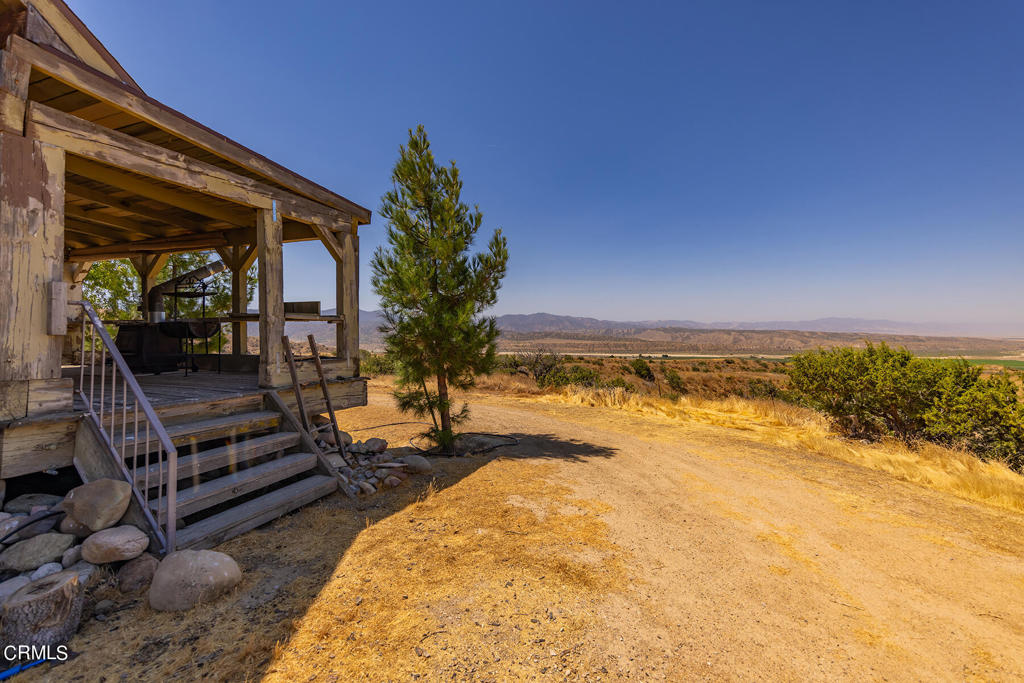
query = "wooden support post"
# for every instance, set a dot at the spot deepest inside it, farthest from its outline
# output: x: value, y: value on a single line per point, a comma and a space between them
x: 148, y: 267
x: 351, y: 299
x: 31, y: 258
x: 239, y: 258
x: 14, y: 78
x: 273, y: 370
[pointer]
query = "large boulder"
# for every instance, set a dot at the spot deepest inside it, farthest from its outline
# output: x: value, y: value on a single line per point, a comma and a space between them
x: 26, y: 555
x: 25, y: 503
x: 417, y: 463
x: 98, y: 504
x: 188, y: 577
x: 137, y: 574
x: 115, y: 544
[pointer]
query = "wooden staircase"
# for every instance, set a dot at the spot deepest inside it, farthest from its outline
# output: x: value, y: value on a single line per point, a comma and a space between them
x: 242, y: 462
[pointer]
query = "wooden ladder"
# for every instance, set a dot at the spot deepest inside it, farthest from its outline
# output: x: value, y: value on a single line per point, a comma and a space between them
x: 313, y: 430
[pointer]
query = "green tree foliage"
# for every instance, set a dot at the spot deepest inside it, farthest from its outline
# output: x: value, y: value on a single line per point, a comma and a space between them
x: 879, y: 391
x: 642, y: 369
x: 113, y: 288
x: 432, y: 291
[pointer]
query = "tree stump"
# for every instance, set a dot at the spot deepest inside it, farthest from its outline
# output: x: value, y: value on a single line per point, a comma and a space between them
x: 45, y: 612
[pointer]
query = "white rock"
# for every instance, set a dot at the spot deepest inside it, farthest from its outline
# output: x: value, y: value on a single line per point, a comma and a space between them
x: 46, y: 570
x: 417, y: 463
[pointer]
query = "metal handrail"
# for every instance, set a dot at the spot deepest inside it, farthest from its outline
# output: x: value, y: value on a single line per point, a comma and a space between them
x: 152, y: 422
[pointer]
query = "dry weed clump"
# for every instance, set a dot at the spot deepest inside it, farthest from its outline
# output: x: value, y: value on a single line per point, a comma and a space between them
x: 944, y: 469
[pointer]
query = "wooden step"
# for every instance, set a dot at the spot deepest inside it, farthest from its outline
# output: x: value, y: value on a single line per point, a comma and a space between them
x: 205, y: 430
x: 251, y: 514
x: 215, y: 458
x: 215, y: 491
x: 199, y: 409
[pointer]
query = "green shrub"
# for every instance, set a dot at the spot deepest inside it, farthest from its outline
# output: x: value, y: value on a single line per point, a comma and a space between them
x: 642, y: 370
x: 538, y: 364
x: 675, y: 381
x: 566, y: 375
x: 879, y: 391
x: 619, y: 383
x: 375, y: 364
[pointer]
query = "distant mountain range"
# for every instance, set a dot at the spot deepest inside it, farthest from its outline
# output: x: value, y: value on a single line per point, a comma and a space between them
x: 548, y: 322
x: 563, y: 325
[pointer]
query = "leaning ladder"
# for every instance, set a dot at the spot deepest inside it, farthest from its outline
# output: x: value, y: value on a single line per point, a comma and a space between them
x: 339, y: 444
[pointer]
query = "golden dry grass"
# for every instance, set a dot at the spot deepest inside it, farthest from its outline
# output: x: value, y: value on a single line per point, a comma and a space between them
x: 493, y: 576
x: 488, y: 578
x: 943, y: 469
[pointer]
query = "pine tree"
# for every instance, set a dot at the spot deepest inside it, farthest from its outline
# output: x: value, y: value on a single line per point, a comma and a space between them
x: 433, y: 292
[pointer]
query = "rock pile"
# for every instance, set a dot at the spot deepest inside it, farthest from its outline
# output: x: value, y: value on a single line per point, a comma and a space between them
x: 54, y: 545
x: 373, y: 468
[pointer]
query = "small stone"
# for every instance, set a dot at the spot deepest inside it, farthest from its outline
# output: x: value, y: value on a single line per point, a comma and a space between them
x: 26, y: 502
x: 380, y: 474
x: 137, y: 574
x: 103, y: 606
x: 98, y: 504
x: 375, y: 445
x: 8, y: 525
x: 70, y: 526
x: 417, y: 463
x: 38, y: 527
x: 26, y: 555
x: 10, y: 586
x: 188, y: 577
x: 392, y: 482
x: 115, y: 544
x: 46, y: 570
x: 367, y: 488
x: 71, y: 556
x: 85, y: 570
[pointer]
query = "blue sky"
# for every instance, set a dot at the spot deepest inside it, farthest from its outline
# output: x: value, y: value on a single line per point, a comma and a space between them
x: 704, y: 160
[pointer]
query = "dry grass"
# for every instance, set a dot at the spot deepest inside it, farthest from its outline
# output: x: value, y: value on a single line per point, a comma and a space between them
x: 494, y: 577
x: 488, y: 578
x: 944, y: 469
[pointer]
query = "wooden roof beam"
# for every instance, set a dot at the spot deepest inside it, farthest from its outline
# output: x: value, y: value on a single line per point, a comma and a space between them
x: 96, y: 196
x: 150, y: 190
x: 132, y: 227
x: 109, y: 90
x: 192, y: 242
x: 86, y: 139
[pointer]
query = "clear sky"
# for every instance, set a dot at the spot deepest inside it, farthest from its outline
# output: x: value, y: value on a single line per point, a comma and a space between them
x: 720, y: 160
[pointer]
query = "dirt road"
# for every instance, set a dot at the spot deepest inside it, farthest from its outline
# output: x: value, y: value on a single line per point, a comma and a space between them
x: 760, y: 562
x: 604, y: 546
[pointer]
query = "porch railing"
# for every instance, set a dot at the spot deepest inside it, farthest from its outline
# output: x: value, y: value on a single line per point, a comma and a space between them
x: 128, y: 425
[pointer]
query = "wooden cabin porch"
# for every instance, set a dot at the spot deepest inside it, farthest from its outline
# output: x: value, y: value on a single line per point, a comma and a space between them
x: 93, y: 169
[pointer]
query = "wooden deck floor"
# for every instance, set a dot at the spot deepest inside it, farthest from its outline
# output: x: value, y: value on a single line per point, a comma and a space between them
x: 174, y: 387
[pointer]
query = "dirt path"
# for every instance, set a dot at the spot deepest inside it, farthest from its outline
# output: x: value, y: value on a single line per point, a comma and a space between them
x: 605, y: 546
x: 760, y: 562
